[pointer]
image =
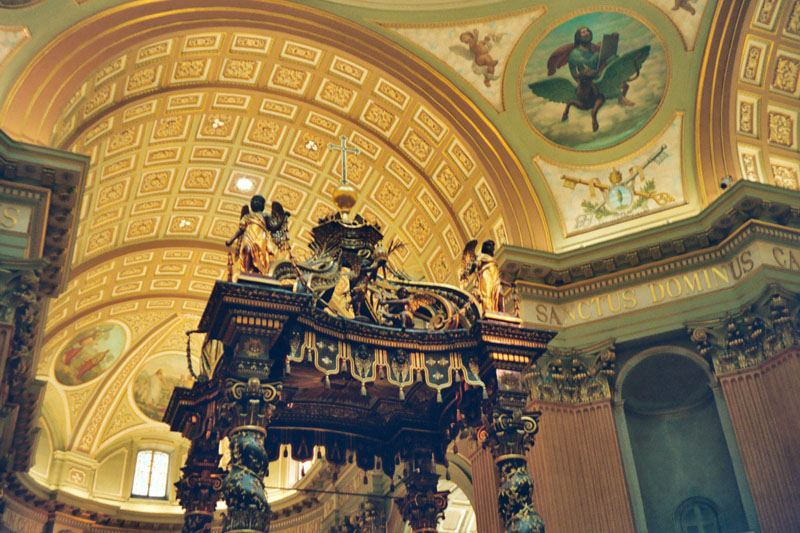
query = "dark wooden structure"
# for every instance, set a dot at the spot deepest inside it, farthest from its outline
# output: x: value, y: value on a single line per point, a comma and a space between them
x: 282, y: 368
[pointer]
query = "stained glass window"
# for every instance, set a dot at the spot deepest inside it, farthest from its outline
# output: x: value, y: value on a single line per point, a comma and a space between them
x: 150, y: 477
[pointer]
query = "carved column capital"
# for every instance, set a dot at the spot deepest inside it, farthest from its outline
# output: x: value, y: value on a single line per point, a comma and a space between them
x: 198, y: 488
x: 422, y: 506
x: 247, y: 404
x: 572, y: 376
x: 746, y: 339
x: 510, y: 431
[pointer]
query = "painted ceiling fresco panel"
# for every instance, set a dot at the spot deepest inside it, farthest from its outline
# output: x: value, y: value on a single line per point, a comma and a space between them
x: 630, y: 83
x: 153, y: 384
x: 90, y: 353
x: 593, y: 197
x: 686, y: 16
x: 477, y: 50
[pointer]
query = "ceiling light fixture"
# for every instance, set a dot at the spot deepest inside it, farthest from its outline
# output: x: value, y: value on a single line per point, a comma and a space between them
x: 311, y: 146
x: 217, y: 123
x: 244, y: 184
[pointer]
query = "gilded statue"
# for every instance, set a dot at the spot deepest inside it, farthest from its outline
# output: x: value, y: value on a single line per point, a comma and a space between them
x: 480, y: 271
x: 260, y: 236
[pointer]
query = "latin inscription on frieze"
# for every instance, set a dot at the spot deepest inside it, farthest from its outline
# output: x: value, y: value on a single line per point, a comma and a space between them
x: 14, y: 217
x: 681, y: 286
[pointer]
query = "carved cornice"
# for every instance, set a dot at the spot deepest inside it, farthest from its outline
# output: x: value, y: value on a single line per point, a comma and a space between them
x: 63, y: 174
x: 572, y: 376
x: 48, y: 504
x: 746, y: 339
x: 620, y: 260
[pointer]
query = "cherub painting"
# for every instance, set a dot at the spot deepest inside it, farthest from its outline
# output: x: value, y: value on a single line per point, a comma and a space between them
x: 613, y: 63
x: 480, y: 54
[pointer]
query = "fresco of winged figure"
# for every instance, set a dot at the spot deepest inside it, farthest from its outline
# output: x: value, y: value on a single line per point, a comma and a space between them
x: 596, y: 69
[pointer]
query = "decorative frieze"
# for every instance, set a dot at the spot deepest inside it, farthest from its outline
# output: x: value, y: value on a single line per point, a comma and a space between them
x: 696, y: 275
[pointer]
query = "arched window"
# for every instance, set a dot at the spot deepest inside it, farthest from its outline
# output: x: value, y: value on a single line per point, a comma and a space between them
x: 697, y: 515
x: 150, y: 477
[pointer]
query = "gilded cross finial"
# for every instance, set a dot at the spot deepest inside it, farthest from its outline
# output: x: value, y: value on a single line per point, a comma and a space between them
x: 344, y: 149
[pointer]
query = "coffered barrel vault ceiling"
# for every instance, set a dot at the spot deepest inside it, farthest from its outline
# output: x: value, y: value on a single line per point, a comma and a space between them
x: 177, y: 109
x: 181, y: 104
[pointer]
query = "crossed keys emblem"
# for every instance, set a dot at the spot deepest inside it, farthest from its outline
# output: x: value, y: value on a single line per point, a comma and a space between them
x: 619, y: 194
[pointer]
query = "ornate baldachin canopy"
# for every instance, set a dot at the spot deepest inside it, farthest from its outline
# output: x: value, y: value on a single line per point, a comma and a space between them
x: 397, y: 378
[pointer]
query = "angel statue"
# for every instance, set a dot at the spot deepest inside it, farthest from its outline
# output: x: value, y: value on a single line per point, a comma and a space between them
x: 600, y: 74
x: 481, y: 271
x: 261, y: 236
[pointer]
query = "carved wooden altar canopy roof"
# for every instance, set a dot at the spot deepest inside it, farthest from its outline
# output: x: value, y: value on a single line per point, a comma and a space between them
x: 349, y: 385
